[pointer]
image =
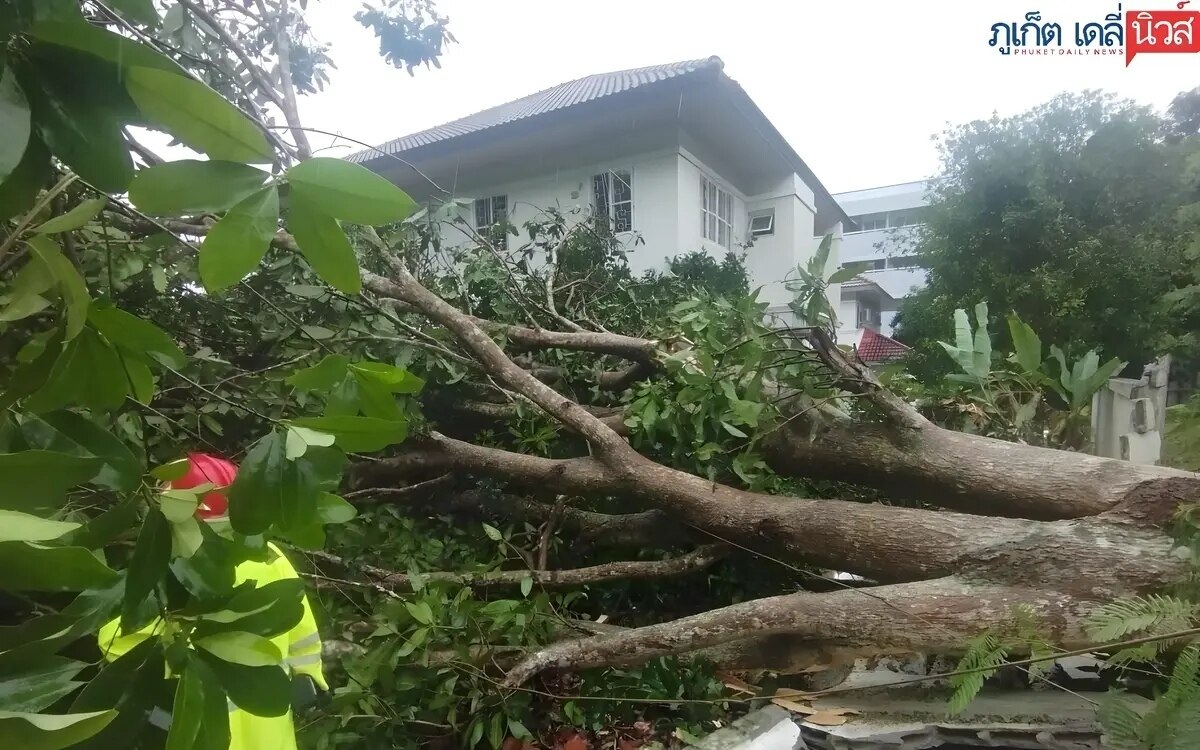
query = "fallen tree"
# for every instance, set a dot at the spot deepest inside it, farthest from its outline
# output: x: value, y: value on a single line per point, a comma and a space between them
x: 1058, y: 532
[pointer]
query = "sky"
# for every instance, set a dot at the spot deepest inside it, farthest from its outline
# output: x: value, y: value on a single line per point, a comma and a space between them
x: 859, y: 88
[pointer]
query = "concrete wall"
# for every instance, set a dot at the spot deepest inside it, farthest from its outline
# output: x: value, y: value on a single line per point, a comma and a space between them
x: 654, y: 203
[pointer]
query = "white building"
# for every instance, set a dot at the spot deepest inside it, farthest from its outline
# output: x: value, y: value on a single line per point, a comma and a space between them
x: 675, y: 154
x: 882, y: 224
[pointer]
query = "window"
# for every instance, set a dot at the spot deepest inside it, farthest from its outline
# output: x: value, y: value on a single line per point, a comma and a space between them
x: 871, y: 222
x: 762, y: 224
x: 904, y: 261
x: 490, y: 212
x: 868, y: 314
x: 612, y: 196
x: 716, y: 213
x: 905, y: 217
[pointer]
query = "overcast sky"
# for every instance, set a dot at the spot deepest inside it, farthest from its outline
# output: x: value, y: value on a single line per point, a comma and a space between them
x: 857, y: 87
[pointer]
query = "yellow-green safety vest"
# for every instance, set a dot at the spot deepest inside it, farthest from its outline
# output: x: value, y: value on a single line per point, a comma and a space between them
x: 301, y: 644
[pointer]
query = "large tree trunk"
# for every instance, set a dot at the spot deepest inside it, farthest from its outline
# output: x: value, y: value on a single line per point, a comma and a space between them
x: 1053, y: 531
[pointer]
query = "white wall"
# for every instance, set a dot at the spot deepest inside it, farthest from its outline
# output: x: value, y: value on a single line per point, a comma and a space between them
x: 654, y: 177
x: 667, y: 214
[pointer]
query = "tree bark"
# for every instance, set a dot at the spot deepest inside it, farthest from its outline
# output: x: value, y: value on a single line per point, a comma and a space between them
x: 969, y: 473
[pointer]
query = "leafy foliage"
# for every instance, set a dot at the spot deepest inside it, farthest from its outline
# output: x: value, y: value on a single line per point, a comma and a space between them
x: 1071, y: 215
x: 1021, y: 396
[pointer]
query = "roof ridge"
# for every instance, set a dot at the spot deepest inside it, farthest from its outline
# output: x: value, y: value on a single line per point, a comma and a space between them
x: 558, y: 96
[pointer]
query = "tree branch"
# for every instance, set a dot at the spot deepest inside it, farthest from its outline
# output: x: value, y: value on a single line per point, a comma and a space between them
x: 927, y: 616
x: 646, y: 570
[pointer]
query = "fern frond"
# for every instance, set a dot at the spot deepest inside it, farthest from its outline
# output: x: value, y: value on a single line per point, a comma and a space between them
x: 1155, y: 613
x: 1142, y: 652
x: 1167, y: 718
x: 1120, y: 722
x: 984, y: 653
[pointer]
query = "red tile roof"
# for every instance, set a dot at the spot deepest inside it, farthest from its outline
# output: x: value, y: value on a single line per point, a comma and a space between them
x: 875, y: 347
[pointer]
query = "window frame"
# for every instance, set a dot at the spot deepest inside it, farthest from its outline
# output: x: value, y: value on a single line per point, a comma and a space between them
x: 605, y: 202
x: 766, y: 231
x: 711, y: 209
x: 493, y: 205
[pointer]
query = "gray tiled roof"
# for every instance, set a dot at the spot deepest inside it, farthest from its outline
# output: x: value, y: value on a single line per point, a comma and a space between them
x: 557, y: 97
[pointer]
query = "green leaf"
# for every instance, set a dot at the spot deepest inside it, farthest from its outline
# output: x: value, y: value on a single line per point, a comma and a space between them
x: 147, y: 567
x: 263, y: 610
x: 420, y: 612
x: 350, y: 192
x: 299, y: 438
x: 131, y: 684
x: 493, y: 533
x: 214, y: 729
x: 518, y: 730
x: 22, y: 527
x: 820, y: 258
x: 50, y: 731
x: 333, y: 509
x: 237, y: 243
x: 190, y: 186
x: 263, y: 691
x: 73, y: 287
x: 135, y: 336
x: 187, y: 712
x: 39, y: 684
x: 34, y: 279
x: 962, y: 331
x: 846, y: 272
x: 257, y: 496
x: 14, y: 123
x: 1027, y: 344
x: 90, y: 372
x: 19, y: 189
x: 171, y: 471
x: 496, y: 730
x: 86, y: 136
x: 209, y: 573
x: 197, y: 115
x: 79, y: 35
x: 141, y: 11
x: 178, y: 505
x: 186, y: 538
x: 358, y: 434
x: 25, y: 566
x: 38, y: 479
x: 77, y: 217
x: 526, y: 585
x: 107, y: 526
x: 242, y: 648
x: 68, y: 432
x: 322, y: 376
x: 395, y: 379
x: 323, y: 243
x: 374, y: 399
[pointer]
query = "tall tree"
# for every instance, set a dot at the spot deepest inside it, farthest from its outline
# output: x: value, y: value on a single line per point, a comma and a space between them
x: 1067, y: 214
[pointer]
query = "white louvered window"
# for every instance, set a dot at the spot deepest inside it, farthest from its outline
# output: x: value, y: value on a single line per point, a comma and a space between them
x: 716, y: 213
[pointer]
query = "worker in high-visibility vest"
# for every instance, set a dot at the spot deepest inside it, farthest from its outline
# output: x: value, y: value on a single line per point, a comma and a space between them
x: 301, y: 645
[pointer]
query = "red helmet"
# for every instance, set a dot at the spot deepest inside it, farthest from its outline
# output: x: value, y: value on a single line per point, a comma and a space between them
x: 205, y: 468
